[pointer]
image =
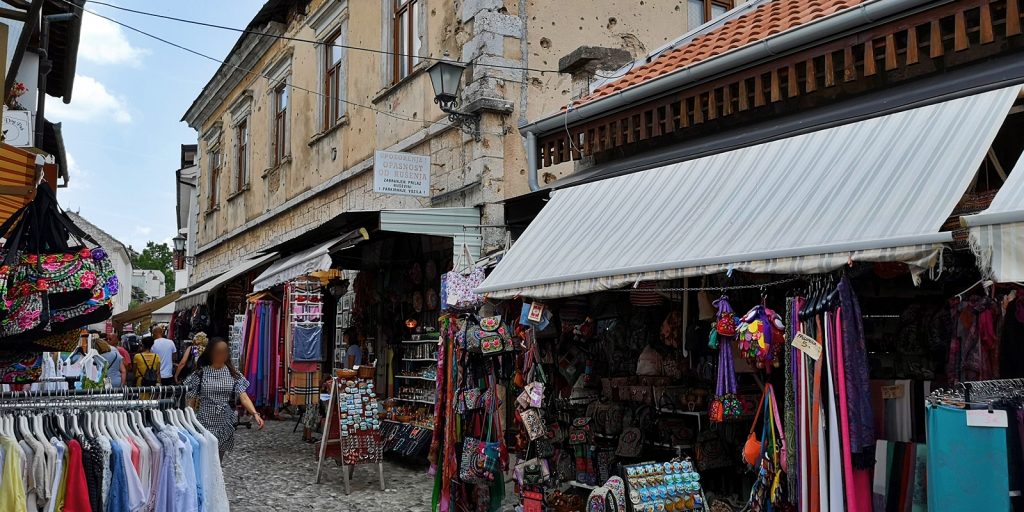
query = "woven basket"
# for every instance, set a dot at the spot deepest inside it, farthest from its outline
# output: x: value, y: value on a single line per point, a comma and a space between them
x: 366, y: 372
x: 346, y: 374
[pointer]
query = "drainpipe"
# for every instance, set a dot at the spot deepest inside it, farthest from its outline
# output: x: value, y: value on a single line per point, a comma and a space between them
x: 45, y: 65
x: 531, y: 162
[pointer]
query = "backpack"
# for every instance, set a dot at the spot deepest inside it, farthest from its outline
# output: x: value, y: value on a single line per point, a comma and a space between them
x: 150, y: 377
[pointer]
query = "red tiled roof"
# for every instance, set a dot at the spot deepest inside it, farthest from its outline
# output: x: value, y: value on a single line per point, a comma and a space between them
x: 766, y: 20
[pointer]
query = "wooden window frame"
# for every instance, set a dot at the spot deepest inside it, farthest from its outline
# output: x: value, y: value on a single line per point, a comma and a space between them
x: 400, y: 54
x: 333, y: 105
x: 710, y: 4
x: 242, y: 156
x: 280, y: 124
x: 213, y: 195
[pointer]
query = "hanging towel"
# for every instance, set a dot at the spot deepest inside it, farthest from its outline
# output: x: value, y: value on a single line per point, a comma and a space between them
x: 967, y: 468
x: 306, y: 342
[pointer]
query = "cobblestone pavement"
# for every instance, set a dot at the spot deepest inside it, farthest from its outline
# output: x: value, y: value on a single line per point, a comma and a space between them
x: 273, y: 470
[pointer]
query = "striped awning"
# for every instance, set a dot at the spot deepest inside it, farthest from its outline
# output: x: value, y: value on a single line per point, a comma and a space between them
x: 997, y: 234
x: 873, y: 190
x: 201, y: 293
x: 18, y: 178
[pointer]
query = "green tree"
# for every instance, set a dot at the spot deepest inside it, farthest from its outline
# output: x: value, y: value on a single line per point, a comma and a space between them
x: 156, y: 257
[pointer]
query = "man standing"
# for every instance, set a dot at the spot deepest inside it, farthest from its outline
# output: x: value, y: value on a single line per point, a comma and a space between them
x: 166, y: 349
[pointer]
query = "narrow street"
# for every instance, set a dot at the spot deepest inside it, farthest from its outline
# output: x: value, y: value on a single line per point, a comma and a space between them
x: 274, y: 470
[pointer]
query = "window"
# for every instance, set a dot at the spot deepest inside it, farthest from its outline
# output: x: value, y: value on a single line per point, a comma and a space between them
x: 280, y: 128
x: 333, y: 87
x: 241, y: 155
x: 406, y: 37
x: 213, y: 184
x: 699, y: 12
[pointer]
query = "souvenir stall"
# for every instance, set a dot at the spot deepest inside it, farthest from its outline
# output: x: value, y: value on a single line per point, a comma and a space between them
x: 806, y: 362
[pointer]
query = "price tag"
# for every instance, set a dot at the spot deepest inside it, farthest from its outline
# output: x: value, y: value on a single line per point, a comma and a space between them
x: 807, y: 345
x: 892, y: 392
x: 986, y: 418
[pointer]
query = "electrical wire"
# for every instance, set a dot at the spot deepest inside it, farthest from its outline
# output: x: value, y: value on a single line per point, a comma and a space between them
x: 346, y: 46
x: 247, y: 70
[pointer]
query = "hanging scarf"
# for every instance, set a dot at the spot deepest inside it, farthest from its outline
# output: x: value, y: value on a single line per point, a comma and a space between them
x: 858, y: 391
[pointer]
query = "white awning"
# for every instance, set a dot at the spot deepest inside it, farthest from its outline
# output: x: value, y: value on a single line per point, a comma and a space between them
x: 874, y: 190
x: 997, y: 234
x: 199, y: 295
x: 299, y: 264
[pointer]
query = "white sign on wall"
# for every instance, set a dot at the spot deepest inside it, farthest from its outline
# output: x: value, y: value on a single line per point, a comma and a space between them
x: 403, y: 174
x: 18, y: 128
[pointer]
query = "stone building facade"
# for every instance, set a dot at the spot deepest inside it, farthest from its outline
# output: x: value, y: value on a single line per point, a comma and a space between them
x: 287, y: 128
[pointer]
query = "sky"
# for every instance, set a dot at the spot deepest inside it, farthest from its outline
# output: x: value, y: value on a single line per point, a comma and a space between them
x: 122, y: 131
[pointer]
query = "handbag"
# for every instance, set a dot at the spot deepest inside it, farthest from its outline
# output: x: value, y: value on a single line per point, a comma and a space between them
x: 49, y: 286
x: 457, y: 288
x: 725, y: 318
x: 488, y: 336
x: 468, y: 399
x: 581, y: 431
x: 631, y: 443
x: 752, y: 447
x: 711, y: 451
x: 482, y: 458
x: 534, y: 471
x: 725, y: 406
x: 533, y: 421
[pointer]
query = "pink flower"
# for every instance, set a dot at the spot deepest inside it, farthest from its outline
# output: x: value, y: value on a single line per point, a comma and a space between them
x: 28, y: 320
x: 88, y: 279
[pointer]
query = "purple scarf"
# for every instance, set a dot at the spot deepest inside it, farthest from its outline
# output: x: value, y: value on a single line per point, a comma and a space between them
x: 858, y: 392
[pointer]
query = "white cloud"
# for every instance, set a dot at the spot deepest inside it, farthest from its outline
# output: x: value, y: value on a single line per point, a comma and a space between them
x: 104, y: 42
x: 92, y: 102
x: 143, y: 230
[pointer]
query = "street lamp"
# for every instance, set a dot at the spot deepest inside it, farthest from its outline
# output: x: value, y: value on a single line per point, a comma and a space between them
x: 179, y: 250
x: 446, y: 77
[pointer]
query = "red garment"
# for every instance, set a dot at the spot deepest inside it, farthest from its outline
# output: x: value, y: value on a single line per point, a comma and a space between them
x: 77, y: 495
x: 135, y: 456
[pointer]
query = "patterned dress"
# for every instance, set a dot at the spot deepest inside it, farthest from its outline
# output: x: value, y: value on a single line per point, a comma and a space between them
x: 214, y: 388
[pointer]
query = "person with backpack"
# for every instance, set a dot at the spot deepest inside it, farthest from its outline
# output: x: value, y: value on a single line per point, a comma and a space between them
x: 190, y: 357
x: 147, y: 365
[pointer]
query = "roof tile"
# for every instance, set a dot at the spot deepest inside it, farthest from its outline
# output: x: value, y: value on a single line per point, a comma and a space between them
x: 768, y: 19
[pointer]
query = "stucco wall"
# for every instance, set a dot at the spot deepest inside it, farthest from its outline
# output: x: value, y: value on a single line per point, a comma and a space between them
x: 332, y: 173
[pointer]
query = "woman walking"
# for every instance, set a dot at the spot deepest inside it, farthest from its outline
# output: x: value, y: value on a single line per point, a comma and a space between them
x: 213, y: 391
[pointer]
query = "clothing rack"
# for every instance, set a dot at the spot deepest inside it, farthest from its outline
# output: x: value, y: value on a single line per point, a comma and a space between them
x: 163, y: 392
x: 63, y: 403
x: 984, y: 390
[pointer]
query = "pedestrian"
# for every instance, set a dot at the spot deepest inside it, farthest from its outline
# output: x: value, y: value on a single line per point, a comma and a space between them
x: 147, y: 364
x: 117, y: 374
x: 166, y: 349
x: 354, y: 352
x: 115, y: 342
x: 215, y: 389
x: 190, y: 357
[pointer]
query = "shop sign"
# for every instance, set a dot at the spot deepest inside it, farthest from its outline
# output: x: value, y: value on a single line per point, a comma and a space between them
x: 401, y: 174
x: 994, y: 418
x: 18, y: 128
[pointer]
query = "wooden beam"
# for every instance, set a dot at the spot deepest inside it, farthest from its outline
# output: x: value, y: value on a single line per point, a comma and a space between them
x: 849, y: 65
x: 14, y: 190
x: 744, y: 103
x: 712, y: 104
x: 985, y: 28
x: 912, y: 50
x: 1012, y: 18
x: 830, y: 70
x: 935, y: 49
x: 793, y: 87
x: 870, y: 66
x: 960, y: 41
x: 890, y: 52
x: 684, y: 112
x: 758, y: 91
x: 811, y: 81
x: 698, y: 110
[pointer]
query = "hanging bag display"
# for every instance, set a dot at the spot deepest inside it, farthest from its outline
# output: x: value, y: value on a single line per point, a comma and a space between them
x: 50, y: 286
x: 726, y: 405
x: 481, y: 458
x: 457, y: 285
x: 487, y: 336
x: 752, y: 447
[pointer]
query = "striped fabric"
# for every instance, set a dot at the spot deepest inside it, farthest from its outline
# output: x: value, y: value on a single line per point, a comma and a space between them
x: 918, y: 257
x: 804, y: 204
x: 997, y: 234
x: 17, y: 169
x: 999, y: 249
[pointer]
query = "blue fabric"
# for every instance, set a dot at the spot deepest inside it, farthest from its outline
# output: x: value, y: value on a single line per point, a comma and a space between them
x: 187, y: 501
x: 967, y: 466
x: 306, y: 342
x: 197, y: 463
x: 117, y: 499
x: 166, y: 486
